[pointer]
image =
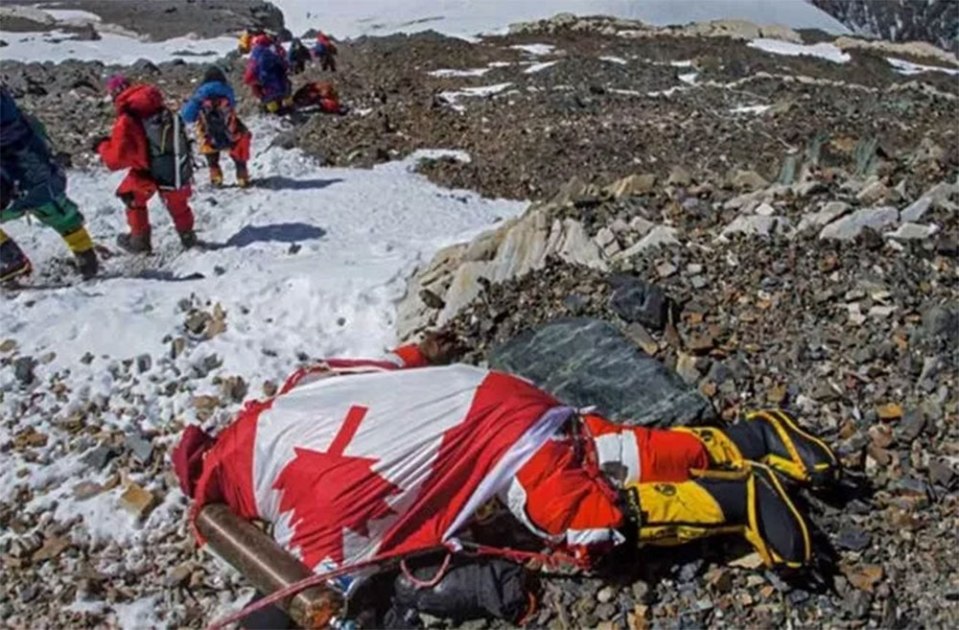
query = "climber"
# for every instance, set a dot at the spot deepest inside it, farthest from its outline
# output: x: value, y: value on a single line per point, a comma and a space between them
x: 245, y: 42
x: 325, y: 52
x: 213, y: 108
x: 298, y: 56
x: 32, y: 182
x: 151, y: 141
x: 267, y: 74
x: 406, y: 457
x: 321, y: 95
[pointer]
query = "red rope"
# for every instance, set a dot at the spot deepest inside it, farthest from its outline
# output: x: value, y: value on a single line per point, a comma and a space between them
x: 440, y: 574
x: 552, y: 560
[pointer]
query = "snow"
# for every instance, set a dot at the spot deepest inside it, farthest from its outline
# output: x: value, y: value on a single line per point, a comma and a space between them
x: 461, y: 18
x: 359, y: 231
x: 471, y: 72
x: 908, y: 68
x: 612, y: 59
x: 685, y: 63
x: 470, y: 17
x: 140, y: 613
x: 823, y: 50
x: 452, y: 97
x: 360, y: 234
x: 72, y: 15
x: 537, y: 50
x: 689, y: 78
x: 750, y: 109
x: 539, y: 67
x: 111, y: 48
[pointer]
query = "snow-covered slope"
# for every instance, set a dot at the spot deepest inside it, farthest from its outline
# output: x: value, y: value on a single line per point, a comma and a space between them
x: 358, y: 231
x: 934, y: 21
x: 470, y: 17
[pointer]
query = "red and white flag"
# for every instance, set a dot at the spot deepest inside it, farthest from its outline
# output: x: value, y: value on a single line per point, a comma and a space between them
x: 362, y: 466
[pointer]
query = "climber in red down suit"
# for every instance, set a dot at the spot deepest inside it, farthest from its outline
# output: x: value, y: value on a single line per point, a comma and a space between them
x: 358, y: 460
x: 151, y: 141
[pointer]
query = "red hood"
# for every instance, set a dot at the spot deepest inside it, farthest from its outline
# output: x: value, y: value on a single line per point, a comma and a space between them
x: 139, y: 100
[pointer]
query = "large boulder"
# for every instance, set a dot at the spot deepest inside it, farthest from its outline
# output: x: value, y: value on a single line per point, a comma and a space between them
x: 589, y: 362
x: 456, y: 275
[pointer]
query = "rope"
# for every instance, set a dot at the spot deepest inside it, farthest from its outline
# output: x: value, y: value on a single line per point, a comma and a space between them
x: 440, y: 573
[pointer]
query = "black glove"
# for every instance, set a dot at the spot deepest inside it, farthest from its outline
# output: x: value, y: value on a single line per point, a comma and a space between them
x: 96, y: 142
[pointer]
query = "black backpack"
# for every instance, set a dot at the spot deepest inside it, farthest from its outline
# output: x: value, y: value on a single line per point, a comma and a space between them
x: 218, y: 121
x: 171, y: 164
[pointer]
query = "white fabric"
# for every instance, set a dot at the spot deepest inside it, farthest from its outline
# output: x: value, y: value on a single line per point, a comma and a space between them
x: 619, y: 448
x: 406, y: 409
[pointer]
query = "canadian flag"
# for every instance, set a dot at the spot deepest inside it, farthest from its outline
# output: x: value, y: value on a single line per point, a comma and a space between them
x: 360, y: 466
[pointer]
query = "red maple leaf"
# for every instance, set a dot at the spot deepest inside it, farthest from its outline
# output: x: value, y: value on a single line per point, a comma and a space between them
x: 329, y: 492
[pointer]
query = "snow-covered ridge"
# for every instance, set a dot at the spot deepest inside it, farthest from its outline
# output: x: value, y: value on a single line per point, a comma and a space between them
x: 472, y: 17
x: 463, y: 18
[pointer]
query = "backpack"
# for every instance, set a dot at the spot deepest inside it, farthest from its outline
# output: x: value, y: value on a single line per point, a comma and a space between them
x: 218, y: 121
x: 171, y: 164
x: 269, y: 67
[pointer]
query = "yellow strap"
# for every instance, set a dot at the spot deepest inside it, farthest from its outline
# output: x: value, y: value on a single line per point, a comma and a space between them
x: 3, y: 237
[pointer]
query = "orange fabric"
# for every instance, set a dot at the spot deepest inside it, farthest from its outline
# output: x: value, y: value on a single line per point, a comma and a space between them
x: 411, y: 356
x: 561, y: 495
x: 564, y: 491
x: 241, y: 150
x: 664, y: 455
x: 136, y: 190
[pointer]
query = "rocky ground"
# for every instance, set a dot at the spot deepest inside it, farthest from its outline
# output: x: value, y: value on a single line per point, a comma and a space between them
x: 858, y: 336
x: 584, y: 101
x: 807, y: 251
x: 156, y: 20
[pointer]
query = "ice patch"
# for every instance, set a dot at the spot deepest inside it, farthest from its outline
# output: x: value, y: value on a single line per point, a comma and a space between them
x: 689, y: 78
x: 909, y: 68
x: 537, y: 50
x: 750, y: 109
x: 823, y: 50
x: 471, y: 72
x: 612, y: 59
x: 538, y: 67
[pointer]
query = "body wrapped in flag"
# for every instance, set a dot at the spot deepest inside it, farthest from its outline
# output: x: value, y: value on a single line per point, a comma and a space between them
x: 359, y: 460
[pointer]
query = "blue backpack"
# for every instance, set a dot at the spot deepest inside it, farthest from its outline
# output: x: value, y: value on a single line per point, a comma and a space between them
x: 270, y: 67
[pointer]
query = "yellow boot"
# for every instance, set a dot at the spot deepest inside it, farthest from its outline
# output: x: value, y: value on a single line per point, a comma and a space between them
x: 788, y: 448
x: 772, y: 437
x: 81, y: 245
x: 722, y: 451
x: 750, y: 502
